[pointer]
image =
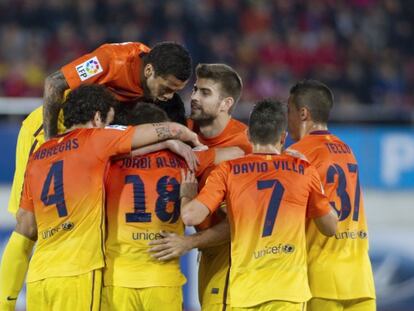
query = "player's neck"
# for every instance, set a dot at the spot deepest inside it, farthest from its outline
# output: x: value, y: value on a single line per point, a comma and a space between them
x: 80, y: 126
x: 312, y: 127
x: 215, y: 127
x: 273, y: 149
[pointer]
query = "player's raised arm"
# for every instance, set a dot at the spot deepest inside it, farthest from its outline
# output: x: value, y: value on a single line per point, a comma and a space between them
x: 55, y: 86
x: 176, y: 146
x: 193, y: 212
x: 147, y: 134
x: 15, y: 260
x: 172, y: 245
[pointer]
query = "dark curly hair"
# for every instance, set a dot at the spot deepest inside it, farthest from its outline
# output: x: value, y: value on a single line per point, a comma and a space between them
x: 139, y: 113
x: 174, y: 108
x: 82, y: 104
x: 169, y: 58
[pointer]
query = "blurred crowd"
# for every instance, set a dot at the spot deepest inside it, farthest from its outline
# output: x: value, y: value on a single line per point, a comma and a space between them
x: 363, y: 49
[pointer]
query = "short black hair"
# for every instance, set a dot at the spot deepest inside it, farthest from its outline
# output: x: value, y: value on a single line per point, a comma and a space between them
x: 173, y: 108
x: 82, y: 104
x: 229, y: 80
x: 267, y: 121
x: 169, y: 58
x: 314, y: 95
x: 143, y: 112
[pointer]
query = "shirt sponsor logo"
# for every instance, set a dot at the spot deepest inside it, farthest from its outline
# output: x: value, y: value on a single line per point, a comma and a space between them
x: 89, y: 68
x: 274, y: 250
x: 66, y: 226
x: 353, y: 235
x: 146, y: 236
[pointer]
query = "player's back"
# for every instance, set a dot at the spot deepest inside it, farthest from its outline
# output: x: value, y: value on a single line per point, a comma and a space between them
x: 64, y: 189
x: 142, y: 199
x: 116, y: 65
x: 339, y: 267
x: 267, y: 203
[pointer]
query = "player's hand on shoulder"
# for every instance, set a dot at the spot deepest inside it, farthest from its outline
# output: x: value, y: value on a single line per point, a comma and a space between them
x: 185, y: 151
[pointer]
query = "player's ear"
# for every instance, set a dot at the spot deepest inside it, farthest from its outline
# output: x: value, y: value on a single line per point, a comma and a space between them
x: 148, y: 70
x: 304, y: 113
x: 227, y: 103
x: 283, y: 138
x: 97, y: 120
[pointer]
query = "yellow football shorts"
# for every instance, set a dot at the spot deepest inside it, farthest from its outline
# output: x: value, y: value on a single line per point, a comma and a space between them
x: 142, y: 299
x: 277, y: 305
x: 363, y: 304
x: 213, y: 274
x: 80, y: 292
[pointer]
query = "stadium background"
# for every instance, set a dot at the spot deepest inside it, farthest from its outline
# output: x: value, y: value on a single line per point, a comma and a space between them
x: 363, y: 49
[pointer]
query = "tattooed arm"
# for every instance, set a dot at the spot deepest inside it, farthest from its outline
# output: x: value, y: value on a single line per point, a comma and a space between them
x: 147, y: 134
x: 55, y: 86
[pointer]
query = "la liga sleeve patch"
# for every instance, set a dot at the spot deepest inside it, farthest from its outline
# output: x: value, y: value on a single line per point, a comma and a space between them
x: 89, y: 68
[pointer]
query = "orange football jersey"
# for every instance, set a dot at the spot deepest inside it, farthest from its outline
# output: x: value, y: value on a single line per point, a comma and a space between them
x: 117, y: 66
x: 63, y: 187
x: 268, y: 199
x: 234, y: 135
x: 339, y: 267
x: 143, y: 198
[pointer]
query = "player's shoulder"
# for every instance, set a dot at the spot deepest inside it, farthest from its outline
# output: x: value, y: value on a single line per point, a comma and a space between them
x: 98, y: 131
x: 116, y: 127
x: 238, y: 131
x: 107, y: 133
x: 35, y: 118
x: 296, y: 154
x: 311, y: 146
x: 248, y: 158
x: 336, y: 139
x: 237, y: 126
x: 125, y: 48
x: 304, y: 143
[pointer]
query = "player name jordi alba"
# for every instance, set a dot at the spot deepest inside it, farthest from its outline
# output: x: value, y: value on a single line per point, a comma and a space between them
x: 143, y: 162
